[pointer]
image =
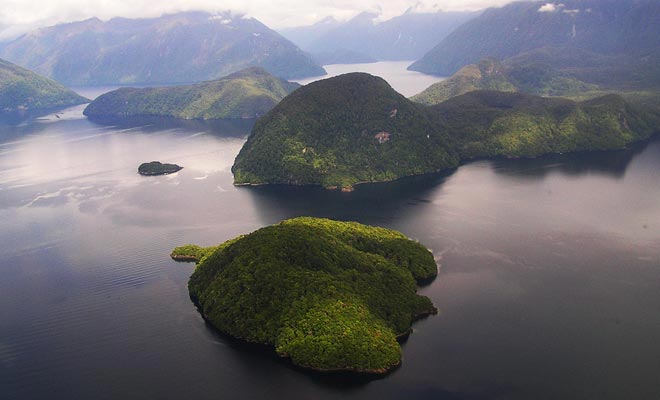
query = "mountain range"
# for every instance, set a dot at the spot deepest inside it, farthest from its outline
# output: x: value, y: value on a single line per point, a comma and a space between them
x: 175, y: 48
x: 405, y: 37
x: 602, y: 28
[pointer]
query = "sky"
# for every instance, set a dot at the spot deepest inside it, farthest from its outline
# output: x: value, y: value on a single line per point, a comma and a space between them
x: 20, y: 16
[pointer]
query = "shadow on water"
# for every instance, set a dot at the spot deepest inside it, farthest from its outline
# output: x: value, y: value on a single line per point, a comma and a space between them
x: 14, y: 118
x: 613, y: 163
x: 377, y: 203
x: 227, y: 127
x: 262, y: 358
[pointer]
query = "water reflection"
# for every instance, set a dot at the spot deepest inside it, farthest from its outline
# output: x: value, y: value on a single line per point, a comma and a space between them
x: 549, y: 269
x: 223, y: 127
x: 381, y: 203
x: 607, y: 163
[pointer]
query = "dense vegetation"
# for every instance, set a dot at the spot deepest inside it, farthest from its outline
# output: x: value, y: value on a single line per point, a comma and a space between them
x: 605, y: 27
x: 157, y: 168
x: 330, y: 295
x: 176, y: 48
x: 355, y: 128
x: 341, y: 131
x: 486, y: 124
x: 490, y: 74
x: 245, y: 94
x: 21, y: 89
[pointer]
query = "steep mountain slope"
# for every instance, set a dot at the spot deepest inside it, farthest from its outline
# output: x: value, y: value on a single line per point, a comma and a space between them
x: 355, y: 128
x: 176, y: 48
x: 21, y: 89
x: 245, y: 94
x: 406, y: 37
x: 606, y: 27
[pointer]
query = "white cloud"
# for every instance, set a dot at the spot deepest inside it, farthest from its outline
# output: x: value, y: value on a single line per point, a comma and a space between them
x: 18, y: 16
x: 550, y: 7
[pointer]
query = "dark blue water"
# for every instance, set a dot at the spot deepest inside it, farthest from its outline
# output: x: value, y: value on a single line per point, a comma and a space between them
x: 549, y: 283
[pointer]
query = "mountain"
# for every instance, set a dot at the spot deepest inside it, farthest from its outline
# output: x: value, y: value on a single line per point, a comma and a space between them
x: 245, y: 94
x: 490, y: 74
x: 21, y: 89
x: 406, y: 37
x: 176, y: 48
x: 342, y: 56
x: 329, y: 295
x: 604, y: 27
x: 340, y: 131
x: 304, y: 36
x: 355, y: 128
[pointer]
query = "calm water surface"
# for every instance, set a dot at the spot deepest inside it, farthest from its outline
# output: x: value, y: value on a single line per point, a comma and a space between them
x: 408, y: 83
x: 549, y: 283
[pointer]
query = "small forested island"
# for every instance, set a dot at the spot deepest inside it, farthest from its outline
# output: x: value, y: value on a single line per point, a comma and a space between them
x: 329, y: 295
x: 157, y: 168
x: 355, y: 128
x: 23, y: 90
x: 249, y: 93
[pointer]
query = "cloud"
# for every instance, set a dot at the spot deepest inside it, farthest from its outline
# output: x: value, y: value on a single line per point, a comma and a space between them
x: 19, y: 16
x: 550, y: 7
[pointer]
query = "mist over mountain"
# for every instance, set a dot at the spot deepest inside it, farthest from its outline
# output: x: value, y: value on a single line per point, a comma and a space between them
x: 406, y: 37
x: 175, y: 48
x: 603, y: 27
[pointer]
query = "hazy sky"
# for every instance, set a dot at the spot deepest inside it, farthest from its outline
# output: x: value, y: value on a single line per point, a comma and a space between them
x: 18, y: 16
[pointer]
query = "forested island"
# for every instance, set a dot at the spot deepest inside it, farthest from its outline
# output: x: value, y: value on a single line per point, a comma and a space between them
x: 22, y: 90
x: 329, y: 295
x: 154, y: 168
x: 249, y: 93
x: 355, y: 128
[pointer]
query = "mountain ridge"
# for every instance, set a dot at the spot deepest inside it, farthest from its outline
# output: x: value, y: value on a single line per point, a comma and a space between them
x: 174, y: 48
x: 21, y: 89
x: 248, y: 93
x: 355, y: 128
x: 606, y: 27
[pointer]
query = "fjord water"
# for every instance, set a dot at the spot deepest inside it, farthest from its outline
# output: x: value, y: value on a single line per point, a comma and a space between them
x: 549, y: 282
x: 408, y: 83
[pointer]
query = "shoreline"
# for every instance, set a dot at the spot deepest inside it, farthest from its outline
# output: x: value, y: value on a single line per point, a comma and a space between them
x: 350, y: 189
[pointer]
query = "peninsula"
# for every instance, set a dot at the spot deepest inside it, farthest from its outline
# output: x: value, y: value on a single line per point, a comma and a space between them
x: 355, y: 128
x: 249, y: 93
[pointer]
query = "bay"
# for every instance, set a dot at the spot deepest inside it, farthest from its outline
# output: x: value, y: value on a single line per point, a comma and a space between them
x: 549, y: 282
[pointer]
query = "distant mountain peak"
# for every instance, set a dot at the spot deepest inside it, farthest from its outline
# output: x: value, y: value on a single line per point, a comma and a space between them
x: 181, y: 47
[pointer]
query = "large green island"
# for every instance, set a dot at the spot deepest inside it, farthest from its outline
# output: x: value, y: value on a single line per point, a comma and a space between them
x: 355, y: 128
x: 249, y: 93
x: 331, y: 296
